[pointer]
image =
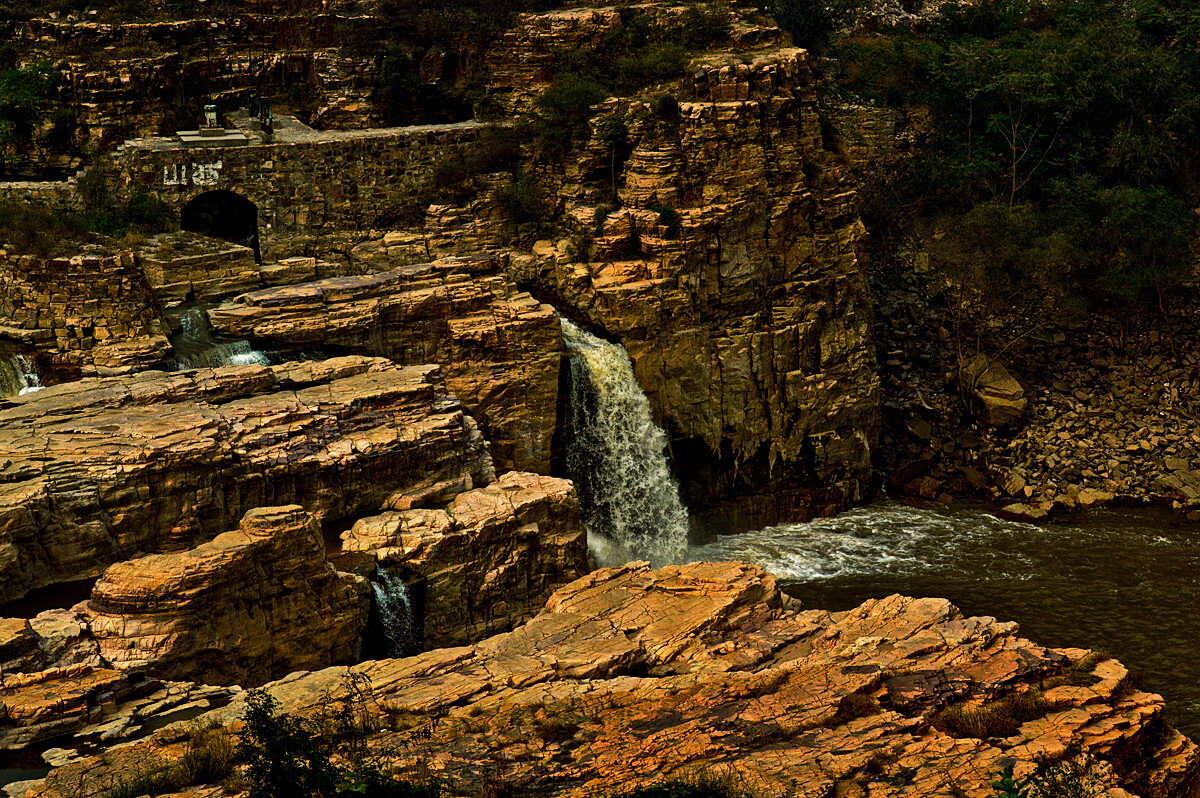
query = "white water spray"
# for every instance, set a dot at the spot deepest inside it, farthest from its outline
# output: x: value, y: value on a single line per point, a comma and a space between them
x: 617, y: 458
x: 18, y: 376
x: 196, y: 348
x: 394, y: 603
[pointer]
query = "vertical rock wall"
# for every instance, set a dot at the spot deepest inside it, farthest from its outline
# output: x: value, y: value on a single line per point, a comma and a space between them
x: 731, y: 276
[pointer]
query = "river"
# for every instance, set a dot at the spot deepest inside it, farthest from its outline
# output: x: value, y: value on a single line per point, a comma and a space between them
x: 1124, y: 581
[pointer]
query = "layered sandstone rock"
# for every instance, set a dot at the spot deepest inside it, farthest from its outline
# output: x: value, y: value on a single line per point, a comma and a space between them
x: 631, y: 676
x: 731, y: 276
x: 84, y: 706
x: 185, y: 265
x: 498, y: 347
x: 244, y: 608
x: 489, y: 560
x: 104, y: 470
x: 90, y: 313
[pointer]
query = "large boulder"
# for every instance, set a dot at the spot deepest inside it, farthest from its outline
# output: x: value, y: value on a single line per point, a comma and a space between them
x: 247, y: 607
x: 489, y: 560
x: 997, y: 397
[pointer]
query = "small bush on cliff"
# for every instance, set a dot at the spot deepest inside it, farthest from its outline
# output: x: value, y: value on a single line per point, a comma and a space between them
x: 207, y: 760
x: 705, y: 783
x: 282, y: 752
x: 810, y: 22
x: 1069, y: 778
x: 289, y: 755
x: 1000, y: 718
x: 25, y: 97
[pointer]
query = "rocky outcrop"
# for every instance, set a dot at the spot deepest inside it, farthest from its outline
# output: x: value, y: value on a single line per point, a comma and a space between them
x: 88, y: 314
x: 185, y: 265
x: 105, y: 470
x: 731, y: 276
x: 488, y: 561
x: 244, y: 608
x: 498, y: 347
x: 998, y: 397
x: 85, y: 705
x: 631, y: 676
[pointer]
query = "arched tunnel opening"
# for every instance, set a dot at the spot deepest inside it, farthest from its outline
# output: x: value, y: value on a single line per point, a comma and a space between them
x: 225, y: 215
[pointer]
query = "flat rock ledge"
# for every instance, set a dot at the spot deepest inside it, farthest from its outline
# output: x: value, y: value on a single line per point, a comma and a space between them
x: 631, y: 675
x: 104, y: 470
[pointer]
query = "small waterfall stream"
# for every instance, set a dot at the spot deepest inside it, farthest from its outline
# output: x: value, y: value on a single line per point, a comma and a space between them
x: 616, y: 456
x: 17, y: 375
x: 394, y: 604
x: 197, y: 348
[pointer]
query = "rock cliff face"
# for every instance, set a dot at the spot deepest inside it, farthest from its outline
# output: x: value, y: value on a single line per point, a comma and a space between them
x: 84, y: 314
x: 104, y: 470
x: 498, y: 347
x: 731, y: 276
x: 244, y: 608
x: 630, y: 676
x: 489, y: 560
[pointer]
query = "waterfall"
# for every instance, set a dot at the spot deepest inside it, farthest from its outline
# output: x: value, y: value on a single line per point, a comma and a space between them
x: 18, y: 376
x: 196, y: 347
x: 394, y: 605
x: 617, y: 458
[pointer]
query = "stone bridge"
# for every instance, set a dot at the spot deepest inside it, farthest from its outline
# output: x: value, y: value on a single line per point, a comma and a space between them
x: 301, y: 183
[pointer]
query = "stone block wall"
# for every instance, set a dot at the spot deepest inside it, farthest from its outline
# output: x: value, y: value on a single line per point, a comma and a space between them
x: 328, y: 182
x: 72, y: 309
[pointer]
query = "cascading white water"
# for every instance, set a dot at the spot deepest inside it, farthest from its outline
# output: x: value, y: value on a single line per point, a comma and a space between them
x: 18, y: 376
x: 616, y: 456
x: 196, y: 348
x: 394, y: 604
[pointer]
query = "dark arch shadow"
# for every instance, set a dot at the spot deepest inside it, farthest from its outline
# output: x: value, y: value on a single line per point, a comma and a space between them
x: 226, y: 215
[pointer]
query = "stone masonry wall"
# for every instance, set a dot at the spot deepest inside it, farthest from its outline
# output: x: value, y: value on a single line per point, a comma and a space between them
x: 333, y: 181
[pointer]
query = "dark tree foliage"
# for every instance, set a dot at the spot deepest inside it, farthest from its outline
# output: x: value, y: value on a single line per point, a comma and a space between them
x: 1064, y: 133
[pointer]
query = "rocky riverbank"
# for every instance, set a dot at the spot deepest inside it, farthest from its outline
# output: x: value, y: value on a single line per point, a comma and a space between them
x: 631, y: 676
x: 1113, y: 402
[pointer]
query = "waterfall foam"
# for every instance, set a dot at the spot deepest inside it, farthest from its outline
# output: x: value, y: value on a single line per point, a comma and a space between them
x: 394, y: 604
x: 18, y: 376
x: 196, y: 348
x: 616, y: 456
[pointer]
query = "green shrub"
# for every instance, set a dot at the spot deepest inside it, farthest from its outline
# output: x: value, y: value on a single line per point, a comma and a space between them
x: 282, y: 752
x: 522, y: 201
x: 25, y: 94
x: 289, y: 755
x: 705, y: 783
x: 666, y: 107
x: 852, y: 707
x: 30, y: 228
x: 1000, y: 718
x: 565, y: 107
x: 207, y: 760
x: 397, y: 84
x: 668, y: 217
x: 810, y: 23
x: 704, y: 25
